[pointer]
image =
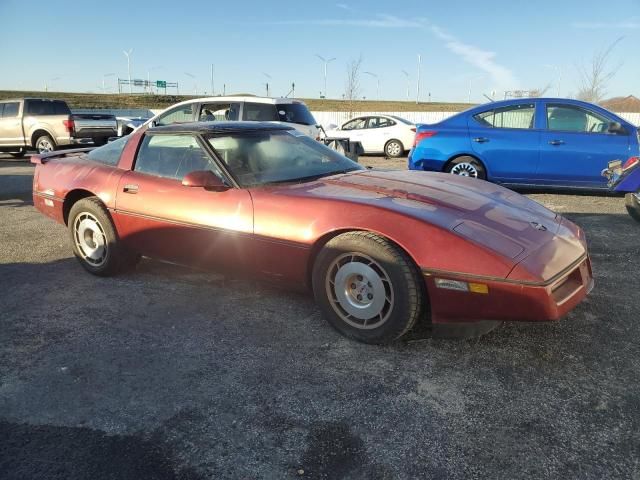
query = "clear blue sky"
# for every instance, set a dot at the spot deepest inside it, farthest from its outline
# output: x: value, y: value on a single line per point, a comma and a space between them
x: 500, y: 44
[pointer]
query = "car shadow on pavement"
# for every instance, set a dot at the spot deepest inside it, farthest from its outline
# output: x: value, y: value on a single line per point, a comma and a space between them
x: 69, y: 453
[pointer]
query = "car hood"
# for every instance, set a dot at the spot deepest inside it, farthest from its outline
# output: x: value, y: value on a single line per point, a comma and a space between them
x: 484, y: 213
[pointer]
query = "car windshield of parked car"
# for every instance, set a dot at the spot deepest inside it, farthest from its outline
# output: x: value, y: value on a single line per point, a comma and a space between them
x: 259, y: 158
x: 575, y: 119
x: 110, y: 153
x: 295, y: 113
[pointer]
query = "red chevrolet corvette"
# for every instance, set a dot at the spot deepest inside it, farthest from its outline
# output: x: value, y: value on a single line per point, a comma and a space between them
x: 379, y: 249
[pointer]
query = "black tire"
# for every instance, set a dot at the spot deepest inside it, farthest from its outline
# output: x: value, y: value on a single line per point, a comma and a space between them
x: 90, y: 225
x: 467, y: 166
x: 44, y: 143
x: 394, y: 148
x: 633, y: 205
x: 403, y: 296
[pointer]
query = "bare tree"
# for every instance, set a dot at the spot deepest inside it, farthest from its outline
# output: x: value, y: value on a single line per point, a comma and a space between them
x: 352, y: 87
x: 595, y: 76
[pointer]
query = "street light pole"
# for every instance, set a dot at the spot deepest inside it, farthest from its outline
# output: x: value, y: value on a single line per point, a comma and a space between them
x: 377, y: 84
x: 267, y: 84
x: 406, y: 74
x: 326, y: 62
x: 418, y: 82
x: 213, y: 91
x: 104, y: 75
x: 195, y: 83
x: 127, y: 53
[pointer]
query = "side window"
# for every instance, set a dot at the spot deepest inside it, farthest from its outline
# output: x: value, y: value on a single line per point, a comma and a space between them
x: 385, y: 122
x: 570, y: 118
x: 515, y: 116
x: 182, y: 114
x: 1, y: 109
x: 210, y: 112
x: 260, y: 112
x: 356, y: 124
x: 172, y: 156
x: 373, y: 122
x: 10, y: 110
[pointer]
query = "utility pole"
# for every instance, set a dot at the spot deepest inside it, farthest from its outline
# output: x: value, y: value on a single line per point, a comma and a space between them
x: 127, y: 53
x: 326, y: 62
x: 406, y: 74
x: 418, y: 82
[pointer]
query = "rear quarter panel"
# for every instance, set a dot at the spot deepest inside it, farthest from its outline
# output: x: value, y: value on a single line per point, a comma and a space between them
x: 54, y: 180
x: 432, y: 153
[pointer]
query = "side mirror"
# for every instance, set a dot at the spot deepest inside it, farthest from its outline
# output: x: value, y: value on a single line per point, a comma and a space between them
x: 204, y: 179
x: 617, y: 128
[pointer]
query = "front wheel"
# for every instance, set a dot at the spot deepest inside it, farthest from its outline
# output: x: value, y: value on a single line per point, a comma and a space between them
x: 367, y: 288
x: 467, y: 167
x: 394, y: 148
x: 94, y: 240
x: 632, y: 202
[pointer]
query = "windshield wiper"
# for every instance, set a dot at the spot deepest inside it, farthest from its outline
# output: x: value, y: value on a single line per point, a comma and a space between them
x: 328, y: 174
x: 311, y: 178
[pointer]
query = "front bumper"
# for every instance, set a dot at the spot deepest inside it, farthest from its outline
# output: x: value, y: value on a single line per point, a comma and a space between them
x: 509, y: 300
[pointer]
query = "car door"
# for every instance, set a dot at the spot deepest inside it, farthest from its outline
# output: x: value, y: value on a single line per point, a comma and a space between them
x: 159, y: 217
x: 11, y: 132
x: 376, y: 134
x: 506, y: 141
x: 355, y: 130
x: 576, y: 145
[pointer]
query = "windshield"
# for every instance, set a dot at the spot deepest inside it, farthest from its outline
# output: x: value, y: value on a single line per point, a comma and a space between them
x: 295, y: 113
x: 259, y: 158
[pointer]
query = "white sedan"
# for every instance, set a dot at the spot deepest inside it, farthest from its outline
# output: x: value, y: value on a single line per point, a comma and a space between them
x: 386, y: 134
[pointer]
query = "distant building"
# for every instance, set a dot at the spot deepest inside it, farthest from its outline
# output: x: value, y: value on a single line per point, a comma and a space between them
x: 622, y: 104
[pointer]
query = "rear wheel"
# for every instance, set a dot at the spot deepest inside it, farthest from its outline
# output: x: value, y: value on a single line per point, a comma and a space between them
x: 632, y: 202
x: 467, y: 167
x: 45, y: 144
x: 94, y: 240
x: 367, y: 288
x: 394, y: 148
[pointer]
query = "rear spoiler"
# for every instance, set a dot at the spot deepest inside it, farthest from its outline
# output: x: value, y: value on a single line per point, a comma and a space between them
x: 43, y: 158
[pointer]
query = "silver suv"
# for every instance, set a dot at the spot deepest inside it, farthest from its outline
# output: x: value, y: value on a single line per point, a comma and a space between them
x: 246, y: 108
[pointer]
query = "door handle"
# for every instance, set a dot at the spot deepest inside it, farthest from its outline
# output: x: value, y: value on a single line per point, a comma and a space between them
x: 556, y: 142
x: 481, y: 139
x: 130, y: 188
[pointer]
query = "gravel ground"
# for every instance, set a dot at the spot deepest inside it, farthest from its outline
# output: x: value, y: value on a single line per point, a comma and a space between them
x: 168, y: 373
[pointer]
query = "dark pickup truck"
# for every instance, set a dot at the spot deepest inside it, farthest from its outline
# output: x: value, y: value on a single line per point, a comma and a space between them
x: 45, y: 125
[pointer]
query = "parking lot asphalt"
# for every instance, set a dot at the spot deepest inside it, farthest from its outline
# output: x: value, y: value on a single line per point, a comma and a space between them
x: 169, y: 373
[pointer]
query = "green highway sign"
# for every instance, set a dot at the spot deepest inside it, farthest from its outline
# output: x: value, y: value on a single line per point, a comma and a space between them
x: 161, y: 84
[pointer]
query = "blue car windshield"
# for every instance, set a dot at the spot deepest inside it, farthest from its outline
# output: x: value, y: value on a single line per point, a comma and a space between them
x: 259, y: 158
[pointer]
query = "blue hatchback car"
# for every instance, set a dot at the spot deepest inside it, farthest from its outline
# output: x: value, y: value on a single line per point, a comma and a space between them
x: 539, y: 142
